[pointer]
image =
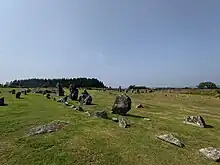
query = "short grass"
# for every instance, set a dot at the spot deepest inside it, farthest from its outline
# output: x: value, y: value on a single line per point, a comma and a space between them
x: 101, y: 142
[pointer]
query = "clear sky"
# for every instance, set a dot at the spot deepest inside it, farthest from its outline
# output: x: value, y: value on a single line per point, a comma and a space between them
x: 121, y: 42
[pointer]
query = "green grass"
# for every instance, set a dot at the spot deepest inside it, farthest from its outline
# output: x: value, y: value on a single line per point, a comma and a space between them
x: 97, y: 141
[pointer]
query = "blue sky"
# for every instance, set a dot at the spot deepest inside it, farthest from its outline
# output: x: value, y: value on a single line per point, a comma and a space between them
x: 121, y: 42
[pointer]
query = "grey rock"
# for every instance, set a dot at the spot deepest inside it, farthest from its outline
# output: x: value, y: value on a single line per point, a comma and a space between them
x: 195, y: 120
x: 66, y: 103
x: 211, y: 153
x: 2, y: 101
x: 85, y: 98
x: 78, y: 108
x: 48, y: 128
x: 123, y: 123
x: 73, y: 106
x: 73, y: 92
x: 171, y: 139
x: 88, y: 113
x: 18, y: 95
x: 147, y: 119
x: 60, y: 91
x: 121, y: 105
x: 63, y: 100
x: 115, y: 119
x: 139, y: 106
x: 101, y: 114
x: 47, y: 96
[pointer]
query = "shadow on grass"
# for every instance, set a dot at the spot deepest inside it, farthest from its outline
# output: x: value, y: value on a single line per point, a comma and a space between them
x: 136, y: 116
x: 3, y: 105
x: 208, y: 126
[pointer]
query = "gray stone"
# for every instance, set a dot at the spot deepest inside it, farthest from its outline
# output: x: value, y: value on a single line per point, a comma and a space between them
x: 147, y: 119
x: 48, y: 128
x: 195, y: 120
x: 123, y: 123
x: 47, y: 96
x: 60, y: 91
x: 85, y: 98
x: 78, y: 108
x: 122, y: 104
x: 139, y: 106
x: 101, y: 114
x: 66, y: 103
x: 171, y: 139
x: 73, y: 106
x: 115, y: 119
x: 13, y: 91
x: 88, y: 113
x: 73, y: 92
x: 211, y: 153
x: 2, y: 101
x: 63, y: 100
x: 18, y: 95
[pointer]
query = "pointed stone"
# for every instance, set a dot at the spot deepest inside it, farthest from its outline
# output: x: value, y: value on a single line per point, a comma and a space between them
x: 195, y: 120
x: 171, y: 139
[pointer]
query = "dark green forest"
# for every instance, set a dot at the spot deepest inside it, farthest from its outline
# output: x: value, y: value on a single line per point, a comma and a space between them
x: 34, y: 83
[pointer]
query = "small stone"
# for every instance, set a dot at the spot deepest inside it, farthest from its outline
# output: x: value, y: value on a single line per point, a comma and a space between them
x: 47, y: 96
x: 147, y: 119
x: 115, y: 119
x: 211, y: 153
x: 78, y: 108
x: 195, y: 120
x: 139, y: 106
x: 123, y: 123
x: 66, y: 103
x: 89, y: 114
x: 171, y: 139
x: 101, y: 114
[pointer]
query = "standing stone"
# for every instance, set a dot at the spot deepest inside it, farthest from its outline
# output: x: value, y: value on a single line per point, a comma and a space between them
x: 60, y: 91
x: 211, y: 153
x: 73, y: 92
x: 138, y: 91
x: 85, y: 98
x: 195, y: 120
x: 122, y: 104
x: 18, y: 95
x: 119, y: 89
x: 25, y: 92
x: 132, y: 90
x: 171, y: 139
x: 2, y: 101
x: 13, y: 91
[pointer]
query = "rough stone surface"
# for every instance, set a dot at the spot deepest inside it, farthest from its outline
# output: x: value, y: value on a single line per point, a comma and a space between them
x: 122, y: 104
x: 123, y: 123
x: 195, y: 120
x: 66, y: 103
x: 171, y: 139
x: 18, y: 95
x: 139, y: 106
x: 2, y: 101
x: 85, y: 98
x: 211, y: 153
x: 88, y: 113
x: 77, y: 108
x: 48, y: 128
x: 101, y: 114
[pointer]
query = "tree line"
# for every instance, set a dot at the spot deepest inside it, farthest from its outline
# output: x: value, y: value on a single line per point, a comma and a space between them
x: 35, y: 82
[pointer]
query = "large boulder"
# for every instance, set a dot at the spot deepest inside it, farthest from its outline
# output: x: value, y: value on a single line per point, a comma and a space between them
x: 2, y: 101
x: 85, y: 98
x: 195, y: 120
x: 122, y: 104
x: 73, y: 92
x: 171, y: 139
x: 18, y: 95
x: 211, y: 153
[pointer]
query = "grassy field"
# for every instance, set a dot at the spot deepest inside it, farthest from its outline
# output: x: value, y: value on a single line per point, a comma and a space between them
x: 95, y: 141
